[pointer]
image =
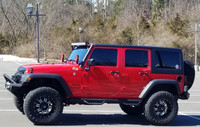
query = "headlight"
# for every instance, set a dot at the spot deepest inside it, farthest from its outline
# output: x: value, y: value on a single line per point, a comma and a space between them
x: 17, y: 76
x: 21, y: 70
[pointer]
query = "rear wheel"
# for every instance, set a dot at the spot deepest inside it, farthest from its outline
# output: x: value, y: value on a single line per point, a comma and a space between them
x: 161, y: 108
x: 43, y: 105
x: 131, y: 110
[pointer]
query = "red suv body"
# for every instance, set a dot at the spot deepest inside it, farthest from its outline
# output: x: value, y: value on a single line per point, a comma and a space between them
x: 141, y: 79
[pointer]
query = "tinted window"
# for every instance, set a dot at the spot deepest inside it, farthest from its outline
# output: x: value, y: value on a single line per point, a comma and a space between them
x: 136, y: 58
x: 169, y: 60
x: 105, y: 57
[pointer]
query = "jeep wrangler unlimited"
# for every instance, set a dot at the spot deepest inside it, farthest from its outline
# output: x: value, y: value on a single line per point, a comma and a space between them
x: 142, y: 80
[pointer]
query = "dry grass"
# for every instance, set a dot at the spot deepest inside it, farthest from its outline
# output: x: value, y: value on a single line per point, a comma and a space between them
x: 59, y: 42
x: 26, y: 50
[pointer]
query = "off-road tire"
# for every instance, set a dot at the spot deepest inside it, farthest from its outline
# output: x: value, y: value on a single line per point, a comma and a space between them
x: 131, y: 110
x: 43, y: 106
x: 18, y: 101
x: 161, y: 108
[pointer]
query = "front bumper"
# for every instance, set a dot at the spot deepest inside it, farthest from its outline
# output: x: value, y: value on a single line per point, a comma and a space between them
x: 12, y: 86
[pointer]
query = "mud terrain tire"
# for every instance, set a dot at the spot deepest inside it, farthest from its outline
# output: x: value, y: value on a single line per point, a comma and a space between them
x: 18, y: 101
x: 161, y: 108
x: 43, y: 106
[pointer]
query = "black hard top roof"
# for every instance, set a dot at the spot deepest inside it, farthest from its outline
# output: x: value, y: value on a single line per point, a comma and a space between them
x: 134, y: 46
x: 122, y: 46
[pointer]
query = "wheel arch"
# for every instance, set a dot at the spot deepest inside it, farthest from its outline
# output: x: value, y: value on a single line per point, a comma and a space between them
x: 35, y: 80
x: 155, y: 85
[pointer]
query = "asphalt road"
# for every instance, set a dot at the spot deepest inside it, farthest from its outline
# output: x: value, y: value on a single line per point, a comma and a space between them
x: 109, y: 115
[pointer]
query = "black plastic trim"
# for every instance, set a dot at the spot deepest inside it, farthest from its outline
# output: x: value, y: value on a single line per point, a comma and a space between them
x: 12, y: 86
x: 184, y: 96
x: 156, y: 82
x: 97, y: 101
x: 47, y: 76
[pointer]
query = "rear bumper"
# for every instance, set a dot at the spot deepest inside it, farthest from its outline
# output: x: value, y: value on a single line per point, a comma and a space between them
x: 12, y: 86
x: 184, y: 96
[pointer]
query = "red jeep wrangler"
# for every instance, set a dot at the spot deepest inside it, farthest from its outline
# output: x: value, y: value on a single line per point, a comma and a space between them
x: 142, y: 80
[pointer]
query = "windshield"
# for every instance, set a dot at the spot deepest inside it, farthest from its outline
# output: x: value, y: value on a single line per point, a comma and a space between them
x: 78, y: 51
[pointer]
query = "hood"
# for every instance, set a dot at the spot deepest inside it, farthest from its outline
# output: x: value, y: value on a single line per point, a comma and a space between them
x: 49, y: 67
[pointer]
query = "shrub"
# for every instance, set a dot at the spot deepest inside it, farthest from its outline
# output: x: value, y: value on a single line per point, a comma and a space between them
x: 179, y: 26
x: 144, y: 25
x: 127, y: 35
x: 4, y: 44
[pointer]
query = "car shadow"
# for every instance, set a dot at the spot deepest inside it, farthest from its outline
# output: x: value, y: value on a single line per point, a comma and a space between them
x: 121, y: 119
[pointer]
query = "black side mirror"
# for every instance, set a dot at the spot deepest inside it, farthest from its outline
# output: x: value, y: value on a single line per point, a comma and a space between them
x: 91, y: 62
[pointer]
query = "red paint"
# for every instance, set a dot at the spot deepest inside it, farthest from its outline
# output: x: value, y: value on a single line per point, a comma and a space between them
x: 99, y: 82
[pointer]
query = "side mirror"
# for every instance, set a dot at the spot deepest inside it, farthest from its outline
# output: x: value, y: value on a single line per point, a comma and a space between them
x: 62, y: 57
x: 91, y: 62
x: 77, y: 59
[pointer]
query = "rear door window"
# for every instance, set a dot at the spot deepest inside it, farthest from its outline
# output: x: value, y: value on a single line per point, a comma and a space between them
x: 136, y: 58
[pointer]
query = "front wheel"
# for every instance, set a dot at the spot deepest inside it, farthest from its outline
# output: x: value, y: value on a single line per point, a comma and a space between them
x: 161, y: 108
x: 18, y: 101
x: 43, y: 105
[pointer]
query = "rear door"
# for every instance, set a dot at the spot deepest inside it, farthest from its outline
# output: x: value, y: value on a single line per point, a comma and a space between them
x: 103, y: 80
x: 136, y: 71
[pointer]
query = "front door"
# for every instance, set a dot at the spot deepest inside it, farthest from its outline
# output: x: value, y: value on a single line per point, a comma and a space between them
x: 103, y: 80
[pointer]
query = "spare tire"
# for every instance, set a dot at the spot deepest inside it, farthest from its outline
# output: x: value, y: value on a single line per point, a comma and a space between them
x: 189, y: 73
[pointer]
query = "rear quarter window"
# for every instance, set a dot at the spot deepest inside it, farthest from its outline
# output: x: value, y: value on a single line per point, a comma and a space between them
x: 168, y: 60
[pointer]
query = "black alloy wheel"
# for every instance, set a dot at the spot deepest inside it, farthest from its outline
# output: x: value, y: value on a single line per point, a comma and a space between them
x: 43, y: 106
x: 161, y: 108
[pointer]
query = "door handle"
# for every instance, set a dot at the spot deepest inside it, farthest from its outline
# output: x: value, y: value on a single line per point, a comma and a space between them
x: 143, y: 73
x: 114, y: 72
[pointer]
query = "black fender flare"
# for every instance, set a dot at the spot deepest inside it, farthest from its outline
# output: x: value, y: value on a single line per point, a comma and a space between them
x: 157, y: 82
x: 31, y: 76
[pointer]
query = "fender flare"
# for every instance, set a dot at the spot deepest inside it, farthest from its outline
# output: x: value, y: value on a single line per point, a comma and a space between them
x: 31, y: 76
x: 157, y: 82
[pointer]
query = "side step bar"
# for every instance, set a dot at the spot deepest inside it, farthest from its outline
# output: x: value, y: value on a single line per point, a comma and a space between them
x: 92, y: 101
